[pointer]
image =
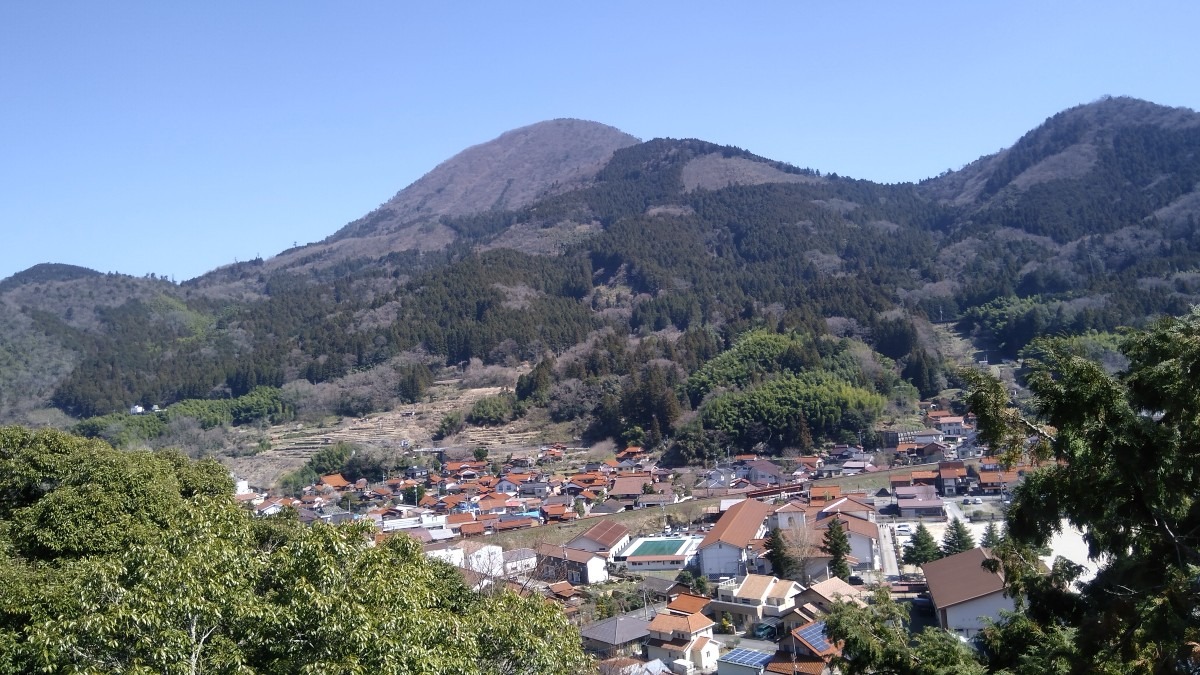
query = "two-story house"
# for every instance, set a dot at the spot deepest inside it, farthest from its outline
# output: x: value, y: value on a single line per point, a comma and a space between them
x: 559, y: 563
x: 725, y: 550
x: 755, y: 598
x: 674, y: 637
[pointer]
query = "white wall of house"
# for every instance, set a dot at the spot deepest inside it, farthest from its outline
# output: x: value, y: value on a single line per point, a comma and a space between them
x: 589, y: 545
x: 455, y: 556
x: 520, y: 566
x: 864, y: 548
x: 721, y: 560
x: 787, y: 520
x: 968, y: 618
x: 487, y: 559
x: 597, y: 571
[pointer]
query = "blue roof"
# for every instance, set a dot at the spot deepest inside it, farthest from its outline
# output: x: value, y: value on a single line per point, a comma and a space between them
x: 747, y: 657
x: 814, y: 635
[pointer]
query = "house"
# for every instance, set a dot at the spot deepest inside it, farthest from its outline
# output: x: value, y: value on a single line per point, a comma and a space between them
x: 556, y: 563
x: 810, y: 463
x: 792, y: 515
x: 716, y: 479
x: 519, y: 561
x: 535, y: 488
x: 674, y: 637
x: 966, y: 595
x: 621, y: 635
x: 724, y: 550
x: 952, y: 478
x: 822, y: 494
x: 629, y: 488
x: 659, y: 589
x: 811, y: 651
x: 688, y: 603
x: 606, y: 538
x: 951, y: 425
x: 662, y: 495
x: 764, y: 472
x: 624, y: 665
x: 936, y: 452
x: 863, y: 536
x: 919, y: 501
x: 850, y: 506
x: 335, y: 481
x: 755, y: 598
x: 855, y: 467
x: 997, y: 482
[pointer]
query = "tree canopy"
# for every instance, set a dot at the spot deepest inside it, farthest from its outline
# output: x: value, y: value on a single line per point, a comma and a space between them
x: 168, y: 575
x: 1116, y: 456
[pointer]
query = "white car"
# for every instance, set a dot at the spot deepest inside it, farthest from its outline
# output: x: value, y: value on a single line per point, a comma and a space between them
x: 904, y: 529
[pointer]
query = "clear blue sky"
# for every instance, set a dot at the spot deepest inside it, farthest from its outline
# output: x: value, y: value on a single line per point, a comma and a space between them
x: 174, y: 137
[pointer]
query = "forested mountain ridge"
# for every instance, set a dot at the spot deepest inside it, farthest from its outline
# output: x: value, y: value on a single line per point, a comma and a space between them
x: 1088, y: 222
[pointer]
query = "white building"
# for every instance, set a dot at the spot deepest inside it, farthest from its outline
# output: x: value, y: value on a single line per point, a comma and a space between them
x: 725, y: 549
x: 965, y: 594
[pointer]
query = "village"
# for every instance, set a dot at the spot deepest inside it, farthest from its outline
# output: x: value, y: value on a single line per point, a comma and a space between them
x: 667, y: 570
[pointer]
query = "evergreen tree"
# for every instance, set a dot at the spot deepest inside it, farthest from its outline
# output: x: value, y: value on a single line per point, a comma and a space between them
x: 837, y: 547
x: 957, y: 538
x: 991, y: 536
x: 785, y: 564
x: 922, y: 548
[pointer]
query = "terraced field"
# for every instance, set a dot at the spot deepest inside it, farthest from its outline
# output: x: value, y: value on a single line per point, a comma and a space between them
x: 398, y: 430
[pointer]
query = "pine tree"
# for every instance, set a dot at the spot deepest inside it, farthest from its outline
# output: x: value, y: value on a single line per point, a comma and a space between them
x: 922, y: 549
x: 837, y: 547
x: 957, y: 538
x: 991, y: 536
x: 782, y: 561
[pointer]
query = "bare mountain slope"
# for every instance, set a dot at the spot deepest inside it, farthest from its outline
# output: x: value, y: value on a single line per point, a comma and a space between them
x: 508, y: 172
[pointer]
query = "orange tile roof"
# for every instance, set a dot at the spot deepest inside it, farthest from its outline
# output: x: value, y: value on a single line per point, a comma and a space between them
x: 671, y: 623
x: 687, y: 603
x: 335, y: 480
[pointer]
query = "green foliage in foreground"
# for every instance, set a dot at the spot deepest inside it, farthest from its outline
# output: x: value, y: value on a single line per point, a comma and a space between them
x: 170, y: 576
x: 876, y: 639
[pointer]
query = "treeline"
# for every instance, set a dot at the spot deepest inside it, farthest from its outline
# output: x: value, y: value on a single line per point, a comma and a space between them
x: 878, y: 258
x: 263, y: 404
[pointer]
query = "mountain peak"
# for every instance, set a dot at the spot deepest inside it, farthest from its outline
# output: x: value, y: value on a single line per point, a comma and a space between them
x: 507, y: 172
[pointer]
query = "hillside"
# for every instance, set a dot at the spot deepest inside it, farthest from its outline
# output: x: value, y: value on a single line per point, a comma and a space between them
x: 620, y: 258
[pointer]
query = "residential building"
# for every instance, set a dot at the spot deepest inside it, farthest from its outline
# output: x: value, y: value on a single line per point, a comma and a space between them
x: 606, y: 538
x: 755, y: 598
x: 674, y: 637
x: 965, y: 594
x: 556, y: 563
x: 725, y: 549
x: 620, y: 635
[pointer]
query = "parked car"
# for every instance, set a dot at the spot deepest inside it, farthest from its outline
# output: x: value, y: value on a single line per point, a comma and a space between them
x: 904, y: 528
x: 763, y: 631
x: 979, y: 500
x: 855, y: 580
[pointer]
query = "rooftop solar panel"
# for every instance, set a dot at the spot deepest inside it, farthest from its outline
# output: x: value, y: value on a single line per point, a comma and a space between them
x: 814, y: 635
x: 747, y: 657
